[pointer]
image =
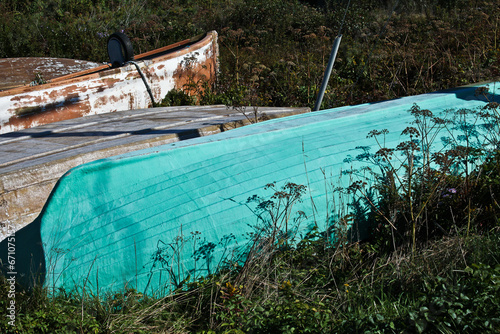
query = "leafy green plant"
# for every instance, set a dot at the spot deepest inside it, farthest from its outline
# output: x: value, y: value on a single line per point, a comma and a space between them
x: 466, y: 306
x: 177, y: 97
x: 276, y: 214
x: 421, y: 193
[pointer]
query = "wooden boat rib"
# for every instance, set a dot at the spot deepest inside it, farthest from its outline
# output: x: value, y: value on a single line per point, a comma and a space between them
x: 104, y: 89
x: 152, y: 218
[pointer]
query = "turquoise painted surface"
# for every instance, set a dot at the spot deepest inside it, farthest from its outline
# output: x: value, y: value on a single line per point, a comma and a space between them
x: 151, y: 218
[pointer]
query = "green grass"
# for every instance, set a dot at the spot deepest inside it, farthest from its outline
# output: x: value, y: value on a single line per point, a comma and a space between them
x: 450, y: 285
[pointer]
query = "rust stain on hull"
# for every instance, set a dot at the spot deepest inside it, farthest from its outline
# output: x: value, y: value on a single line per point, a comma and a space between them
x: 48, y: 114
x: 102, y: 90
x: 188, y: 73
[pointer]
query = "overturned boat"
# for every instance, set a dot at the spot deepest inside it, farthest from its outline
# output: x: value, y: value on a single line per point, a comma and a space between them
x: 126, y: 83
x: 155, y: 218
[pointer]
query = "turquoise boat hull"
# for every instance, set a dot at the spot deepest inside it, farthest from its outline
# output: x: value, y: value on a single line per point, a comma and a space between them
x: 150, y: 219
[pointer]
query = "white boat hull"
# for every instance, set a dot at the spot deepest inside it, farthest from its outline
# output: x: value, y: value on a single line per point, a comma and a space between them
x: 107, y: 90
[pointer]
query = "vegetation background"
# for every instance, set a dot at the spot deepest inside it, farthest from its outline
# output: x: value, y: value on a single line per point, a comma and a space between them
x: 431, y: 263
x: 273, y: 53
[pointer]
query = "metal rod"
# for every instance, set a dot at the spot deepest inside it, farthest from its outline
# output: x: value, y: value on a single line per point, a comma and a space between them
x: 328, y: 71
